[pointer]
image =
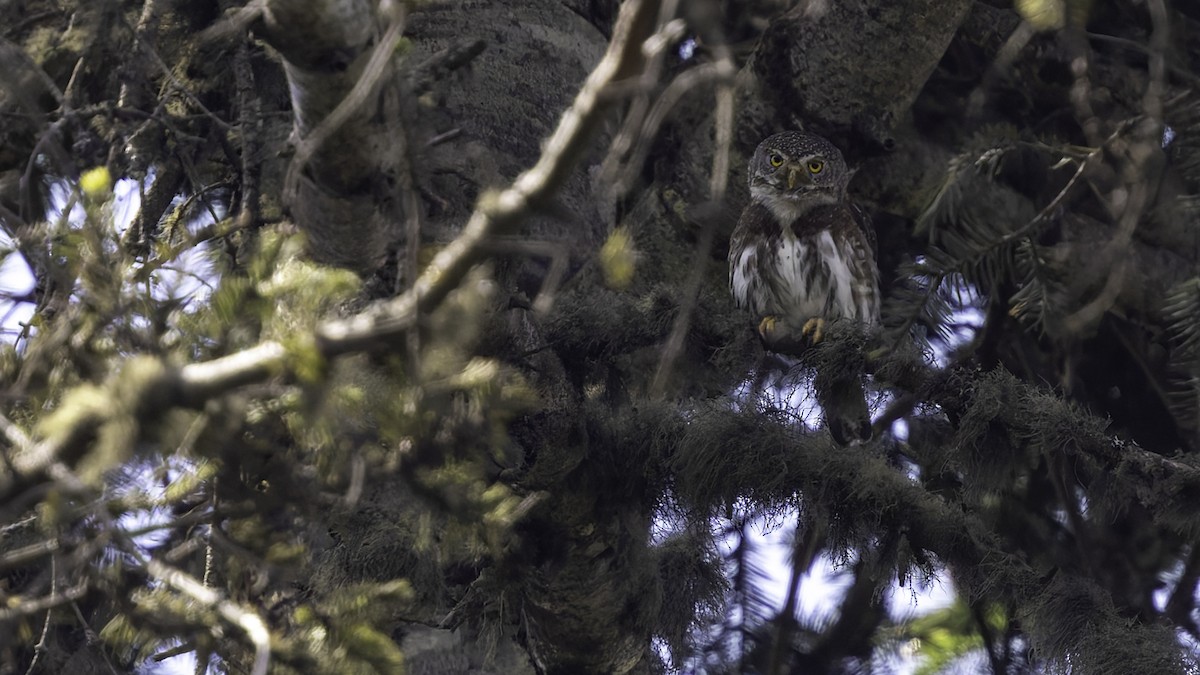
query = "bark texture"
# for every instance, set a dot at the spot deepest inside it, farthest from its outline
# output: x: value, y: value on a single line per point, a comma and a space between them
x: 343, y: 192
x: 855, y: 65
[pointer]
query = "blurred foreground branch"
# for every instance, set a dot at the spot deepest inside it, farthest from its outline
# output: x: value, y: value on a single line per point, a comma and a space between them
x: 151, y: 387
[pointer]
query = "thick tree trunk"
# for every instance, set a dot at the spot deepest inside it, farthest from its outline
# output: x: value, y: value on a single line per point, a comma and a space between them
x: 340, y: 186
x: 854, y: 66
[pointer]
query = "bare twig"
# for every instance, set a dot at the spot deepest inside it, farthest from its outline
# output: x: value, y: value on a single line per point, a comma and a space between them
x: 1001, y: 65
x: 726, y: 71
x: 1131, y: 199
x: 40, y: 647
x: 635, y: 116
x: 682, y: 84
x: 15, y: 436
x: 250, y: 622
x: 177, y: 650
x: 234, y: 26
x: 29, y: 553
x: 250, y: 127
x: 555, y: 252
x: 18, y: 607
x: 1180, y: 72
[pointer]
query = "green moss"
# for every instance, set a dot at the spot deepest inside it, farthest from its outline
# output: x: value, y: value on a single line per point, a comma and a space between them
x: 365, y: 642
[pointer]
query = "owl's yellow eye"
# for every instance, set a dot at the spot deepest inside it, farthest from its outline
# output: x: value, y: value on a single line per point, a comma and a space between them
x: 816, y: 166
x: 776, y: 159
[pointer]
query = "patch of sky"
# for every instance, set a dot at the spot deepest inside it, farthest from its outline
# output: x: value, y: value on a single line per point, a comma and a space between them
x: 188, y: 279
x: 143, y: 485
x: 687, y: 49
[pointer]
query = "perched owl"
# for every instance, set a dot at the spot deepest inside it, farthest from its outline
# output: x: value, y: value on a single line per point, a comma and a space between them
x: 802, y: 254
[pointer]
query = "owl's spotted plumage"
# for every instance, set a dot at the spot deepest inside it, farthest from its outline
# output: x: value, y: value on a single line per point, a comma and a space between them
x: 802, y: 252
x: 800, y: 249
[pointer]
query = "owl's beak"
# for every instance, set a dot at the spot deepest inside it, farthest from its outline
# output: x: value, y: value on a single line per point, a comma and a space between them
x: 796, y: 175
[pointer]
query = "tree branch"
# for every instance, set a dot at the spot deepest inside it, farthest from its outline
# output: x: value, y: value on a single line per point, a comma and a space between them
x: 250, y: 622
x: 495, y: 214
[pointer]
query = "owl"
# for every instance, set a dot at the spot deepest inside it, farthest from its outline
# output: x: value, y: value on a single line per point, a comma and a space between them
x: 802, y: 254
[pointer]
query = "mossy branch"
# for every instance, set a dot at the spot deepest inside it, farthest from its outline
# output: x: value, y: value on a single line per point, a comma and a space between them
x: 495, y: 214
x: 723, y: 454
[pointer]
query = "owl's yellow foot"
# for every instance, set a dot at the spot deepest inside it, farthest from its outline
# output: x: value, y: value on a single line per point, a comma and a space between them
x: 766, y: 328
x: 814, y: 329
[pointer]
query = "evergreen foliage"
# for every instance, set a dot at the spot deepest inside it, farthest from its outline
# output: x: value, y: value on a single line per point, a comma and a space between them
x: 342, y: 390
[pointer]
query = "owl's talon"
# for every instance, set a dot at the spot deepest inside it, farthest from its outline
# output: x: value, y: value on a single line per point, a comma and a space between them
x: 814, y: 329
x: 766, y: 327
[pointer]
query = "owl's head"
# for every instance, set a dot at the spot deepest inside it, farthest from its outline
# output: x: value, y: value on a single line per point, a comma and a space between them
x: 794, y: 171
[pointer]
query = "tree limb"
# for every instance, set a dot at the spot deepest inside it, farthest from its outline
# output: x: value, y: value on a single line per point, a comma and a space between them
x: 495, y: 214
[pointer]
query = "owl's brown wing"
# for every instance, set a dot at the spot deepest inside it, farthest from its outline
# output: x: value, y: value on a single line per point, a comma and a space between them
x: 846, y: 276
x: 863, y: 219
x: 751, y: 254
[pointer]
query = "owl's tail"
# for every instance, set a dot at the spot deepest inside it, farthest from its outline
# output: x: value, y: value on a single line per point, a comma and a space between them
x: 842, y: 397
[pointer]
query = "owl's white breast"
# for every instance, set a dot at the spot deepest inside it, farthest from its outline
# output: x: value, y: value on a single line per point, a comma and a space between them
x: 798, y: 277
x: 816, y: 277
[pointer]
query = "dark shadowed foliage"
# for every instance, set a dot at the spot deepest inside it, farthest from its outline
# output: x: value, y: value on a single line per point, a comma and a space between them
x: 380, y: 337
